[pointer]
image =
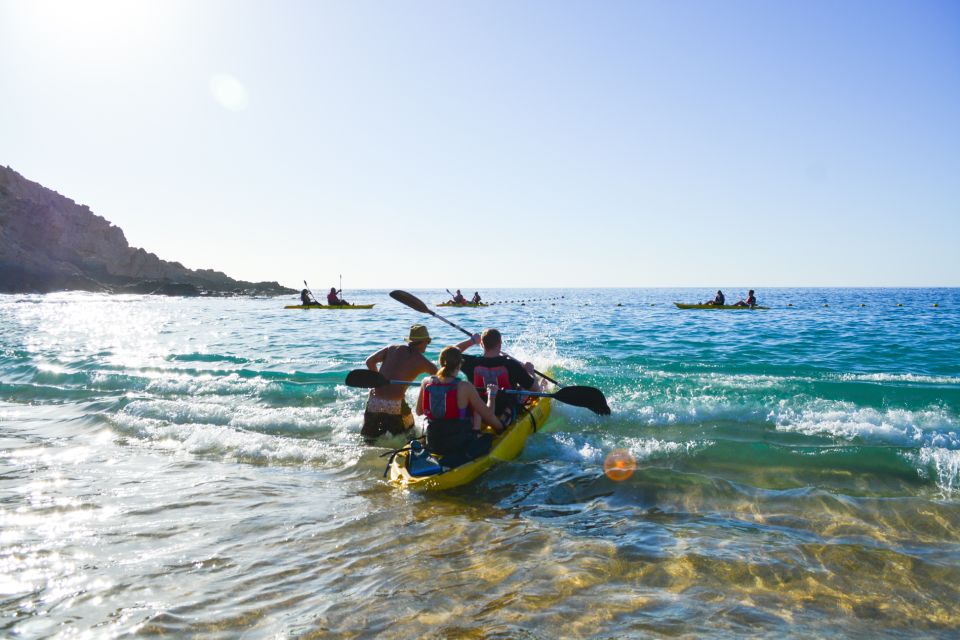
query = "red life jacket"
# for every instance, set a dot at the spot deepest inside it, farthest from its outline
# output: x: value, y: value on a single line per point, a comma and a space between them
x: 440, y: 400
x: 482, y: 376
x: 333, y: 300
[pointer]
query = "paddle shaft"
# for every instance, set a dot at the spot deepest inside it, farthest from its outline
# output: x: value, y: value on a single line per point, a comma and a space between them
x: 516, y: 392
x: 310, y: 292
x: 459, y: 328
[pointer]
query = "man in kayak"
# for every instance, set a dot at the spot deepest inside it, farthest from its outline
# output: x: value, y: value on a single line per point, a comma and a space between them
x: 387, y: 409
x: 495, y: 368
x: 751, y: 301
x: 476, y: 298
x: 334, y: 300
x: 718, y: 301
x: 459, y: 299
x: 306, y: 299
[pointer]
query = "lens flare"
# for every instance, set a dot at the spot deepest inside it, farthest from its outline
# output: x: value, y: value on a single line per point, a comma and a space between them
x: 619, y: 465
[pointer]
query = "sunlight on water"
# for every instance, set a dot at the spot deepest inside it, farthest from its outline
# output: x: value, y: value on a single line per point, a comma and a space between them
x: 193, y: 468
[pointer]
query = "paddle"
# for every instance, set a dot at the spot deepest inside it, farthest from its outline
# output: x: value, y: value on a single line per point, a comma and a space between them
x: 417, y: 304
x: 577, y: 396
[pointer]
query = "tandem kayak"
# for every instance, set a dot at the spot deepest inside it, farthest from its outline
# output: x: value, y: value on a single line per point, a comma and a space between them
x: 506, y: 446
x: 326, y: 306
x: 681, y: 305
x: 463, y: 304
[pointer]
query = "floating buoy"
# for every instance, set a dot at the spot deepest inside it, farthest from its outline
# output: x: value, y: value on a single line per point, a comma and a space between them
x: 619, y: 304
x: 653, y: 304
x: 899, y: 304
x: 826, y: 305
x: 789, y: 304
x: 862, y: 305
x: 936, y: 304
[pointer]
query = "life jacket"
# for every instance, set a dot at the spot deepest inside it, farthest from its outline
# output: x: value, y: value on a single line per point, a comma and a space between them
x: 333, y: 300
x: 482, y: 376
x: 440, y: 400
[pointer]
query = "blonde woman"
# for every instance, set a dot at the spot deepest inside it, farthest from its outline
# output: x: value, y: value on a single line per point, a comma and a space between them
x: 449, y: 405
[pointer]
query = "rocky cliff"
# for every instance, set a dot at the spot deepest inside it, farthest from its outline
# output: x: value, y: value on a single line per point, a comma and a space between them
x: 49, y: 243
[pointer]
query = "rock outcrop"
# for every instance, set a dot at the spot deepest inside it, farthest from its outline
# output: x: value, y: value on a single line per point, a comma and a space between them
x: 50, y: 243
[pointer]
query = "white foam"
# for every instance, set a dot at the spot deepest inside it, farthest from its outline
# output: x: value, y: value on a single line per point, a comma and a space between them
x: 945, y: 463
x: 900, y: 377
x: 933, y: 427
x: 577, y: 448
x: 206, y: 439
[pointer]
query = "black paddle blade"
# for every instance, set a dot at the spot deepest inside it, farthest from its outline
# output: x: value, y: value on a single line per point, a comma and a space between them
x: 586, y: 397
x: 410, y: 300
x: 365, y: 379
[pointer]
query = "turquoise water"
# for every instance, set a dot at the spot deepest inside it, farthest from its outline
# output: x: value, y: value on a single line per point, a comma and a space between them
x: 193, y: 467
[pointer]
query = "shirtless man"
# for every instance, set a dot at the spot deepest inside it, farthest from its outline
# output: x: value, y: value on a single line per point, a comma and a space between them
x: 387, y: 409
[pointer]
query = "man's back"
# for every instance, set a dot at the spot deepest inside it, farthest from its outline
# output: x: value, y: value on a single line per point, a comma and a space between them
x: 402, y: 362
x: 517, y: 374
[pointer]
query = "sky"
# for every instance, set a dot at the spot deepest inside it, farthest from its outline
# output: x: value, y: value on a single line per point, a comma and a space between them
x: 502, y: 143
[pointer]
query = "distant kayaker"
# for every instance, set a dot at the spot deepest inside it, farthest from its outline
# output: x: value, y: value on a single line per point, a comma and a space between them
x: 458, y: 298
x: 449, y: 405
x: 387, y: 409
x: 334, y: 300
x: 751, y: 301
x: 476, y: 298
x: 495, y: 368
x: 306, y: 299
x: 719, y: 300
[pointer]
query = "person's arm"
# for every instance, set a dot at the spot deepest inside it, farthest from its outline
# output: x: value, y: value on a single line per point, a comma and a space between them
x: 376, y: 359
x: 523, y: 375
x: 466, y: 344
x: 475, y: 403
x: 427, y: 366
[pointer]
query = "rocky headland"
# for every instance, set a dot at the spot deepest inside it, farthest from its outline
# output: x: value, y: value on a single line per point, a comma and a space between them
x: 50, y: 243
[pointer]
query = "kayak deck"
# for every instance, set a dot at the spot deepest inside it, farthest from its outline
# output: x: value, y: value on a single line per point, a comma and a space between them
x: 681, y: 305
x: 506, y: 446
x: 326, y: 306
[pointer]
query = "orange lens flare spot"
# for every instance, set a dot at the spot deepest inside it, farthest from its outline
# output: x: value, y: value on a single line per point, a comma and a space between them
x: 619, y: 465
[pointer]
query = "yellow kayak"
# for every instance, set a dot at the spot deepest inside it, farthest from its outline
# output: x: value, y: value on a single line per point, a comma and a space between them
x: 505, y: 447
x: 463, y: 304
x: 326, y: 306
x: 681, y: 305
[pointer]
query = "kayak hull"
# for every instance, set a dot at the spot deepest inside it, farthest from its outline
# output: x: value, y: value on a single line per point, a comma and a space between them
x: 505, y: 447
x: 326, y: 306
x: 725, y: 307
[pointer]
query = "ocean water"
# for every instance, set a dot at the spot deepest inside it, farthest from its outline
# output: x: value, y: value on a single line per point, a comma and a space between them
x: 192, y: 467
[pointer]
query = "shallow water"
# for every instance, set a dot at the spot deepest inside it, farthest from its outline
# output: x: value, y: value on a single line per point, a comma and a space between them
x: 193, y: 467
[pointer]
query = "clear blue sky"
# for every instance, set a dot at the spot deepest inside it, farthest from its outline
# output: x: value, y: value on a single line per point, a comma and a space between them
x: 472, y: 144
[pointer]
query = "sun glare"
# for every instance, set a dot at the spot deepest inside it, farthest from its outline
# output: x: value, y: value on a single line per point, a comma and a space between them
x: 93, y: 25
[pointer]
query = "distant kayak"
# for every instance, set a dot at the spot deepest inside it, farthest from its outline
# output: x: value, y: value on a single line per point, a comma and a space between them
x: 681, y: 305
x: 463, y: 304
x: 506, y: 446
x: 326, y: 306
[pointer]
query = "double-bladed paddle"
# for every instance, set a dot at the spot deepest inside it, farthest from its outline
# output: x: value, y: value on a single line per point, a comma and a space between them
x: 586, y: 397
x: 417, y: 304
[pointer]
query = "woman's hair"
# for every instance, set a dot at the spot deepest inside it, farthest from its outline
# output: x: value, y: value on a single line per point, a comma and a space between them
x: 450, y: 361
